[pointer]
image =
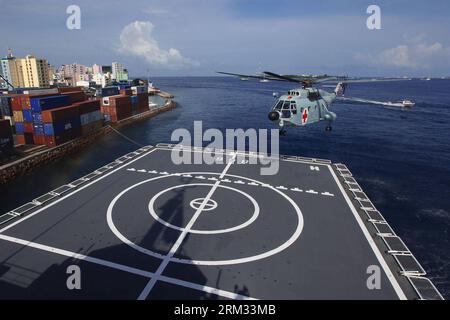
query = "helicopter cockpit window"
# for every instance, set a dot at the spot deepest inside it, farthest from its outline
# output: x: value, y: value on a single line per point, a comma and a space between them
x: 287, y: 105
x: 279, y: 105
x: 286, y: 112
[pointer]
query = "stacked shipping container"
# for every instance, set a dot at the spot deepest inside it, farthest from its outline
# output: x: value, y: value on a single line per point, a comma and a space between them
x: 130, y: 101
x: 6, y: 139
x: 52, y: 119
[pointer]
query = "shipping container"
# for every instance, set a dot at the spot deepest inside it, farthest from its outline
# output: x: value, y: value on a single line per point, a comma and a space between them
x: 20, y: 129
x: 28, y: 127
x: 75, y: 96
x: 26, y: 138
x: 69, y: 89
x: 37, y: 118
x: 134, y: 100
x: 124, y: 86
x: 126, y: 92
x: 88, y: 106
x: 143, y: 100
x: 5, y: 129
x: 60, y: 114
x: 47, y: 103
x: 38, y: 130
x: 5, y: 106
x: 92, y: 127
x: 52, y: 91
x: 27, y: 115
x: 109, y: 91
x: 58, y: 128
x: 139, y: 89
x: 39, y: 139
x: 52, y: 141
x: 18, y: 116
x: 23, y: 101
x: 6, y: 139
x: 90, y: 117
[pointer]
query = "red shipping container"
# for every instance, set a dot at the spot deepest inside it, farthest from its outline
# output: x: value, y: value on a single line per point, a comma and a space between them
x: 60, y: 114
x: 76, y: 96
x: 88, y: 106
x: 26, y: 138
x: 22, y: 101
x: 40, y: 140
x: 28, y: 127
x: 69, y: 89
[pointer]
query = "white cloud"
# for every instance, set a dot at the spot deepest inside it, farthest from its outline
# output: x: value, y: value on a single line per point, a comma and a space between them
x: 417, y: 54
x: 136, y: 39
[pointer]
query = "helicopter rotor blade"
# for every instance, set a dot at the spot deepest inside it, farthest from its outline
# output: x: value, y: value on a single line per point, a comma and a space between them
x: 281, y: 77
x: 240, y: 75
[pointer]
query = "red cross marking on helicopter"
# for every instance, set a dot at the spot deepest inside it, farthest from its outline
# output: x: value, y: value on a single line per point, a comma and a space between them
x: 305, y: 116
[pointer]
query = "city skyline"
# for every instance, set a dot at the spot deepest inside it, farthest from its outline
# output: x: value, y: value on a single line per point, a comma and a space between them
x: 170, y: 38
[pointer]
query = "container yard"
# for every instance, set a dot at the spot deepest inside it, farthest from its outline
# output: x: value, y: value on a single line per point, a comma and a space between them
x: 34, y: 121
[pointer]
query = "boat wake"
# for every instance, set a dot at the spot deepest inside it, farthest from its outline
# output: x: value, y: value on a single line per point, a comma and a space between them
x: 381, y: 103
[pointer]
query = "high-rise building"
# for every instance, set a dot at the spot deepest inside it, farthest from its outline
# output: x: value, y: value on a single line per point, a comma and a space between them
x: 106, y: 69
x: 36, y: 72
x: 12, y: 70
x: 73, y: 72
x: 118, y: 72
x: 96, y: 69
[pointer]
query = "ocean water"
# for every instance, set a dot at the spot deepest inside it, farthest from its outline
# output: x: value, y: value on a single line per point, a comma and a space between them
x: 400, y: 157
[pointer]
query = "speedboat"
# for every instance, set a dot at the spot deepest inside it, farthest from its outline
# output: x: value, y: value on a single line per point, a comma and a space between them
x: 408, y: 103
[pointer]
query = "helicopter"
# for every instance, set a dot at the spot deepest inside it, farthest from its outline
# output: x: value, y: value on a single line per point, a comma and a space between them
x: 307, y: 104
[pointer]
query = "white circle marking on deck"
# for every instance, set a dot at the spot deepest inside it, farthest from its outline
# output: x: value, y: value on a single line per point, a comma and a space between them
x: 264, y: 255
x: 155, y: 216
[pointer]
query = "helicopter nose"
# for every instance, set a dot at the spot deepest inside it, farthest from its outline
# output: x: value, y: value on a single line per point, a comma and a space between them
x: 274, y: 116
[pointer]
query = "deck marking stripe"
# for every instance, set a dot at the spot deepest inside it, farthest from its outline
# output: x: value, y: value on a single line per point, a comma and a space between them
x: 371, y: 242
x: 183, y: 235
x: 75, y: 191
x: 121, y: 267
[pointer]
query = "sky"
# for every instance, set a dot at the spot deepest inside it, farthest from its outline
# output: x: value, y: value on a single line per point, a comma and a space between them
x: 199, y: 37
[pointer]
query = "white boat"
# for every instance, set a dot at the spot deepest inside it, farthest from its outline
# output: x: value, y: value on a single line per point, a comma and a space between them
x: 244, y: 79
x: 408, y: 103
x: 400, y: 104
x: 264, y: 80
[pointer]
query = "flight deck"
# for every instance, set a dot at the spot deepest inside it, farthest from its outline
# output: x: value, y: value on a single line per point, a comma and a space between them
x: 143, y: 227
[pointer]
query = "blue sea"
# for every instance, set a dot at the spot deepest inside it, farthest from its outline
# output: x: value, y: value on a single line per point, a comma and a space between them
x: 400, y: 157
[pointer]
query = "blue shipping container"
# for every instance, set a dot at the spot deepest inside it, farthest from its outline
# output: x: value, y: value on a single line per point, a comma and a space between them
x: 110, y: 91
x: 20, y: 129
x: 56, y: 128
x: 5, y: 106
x: 39, y: 129
x: 47, y: 103
x: 134, y: 99
x: 27, y: 115
x: 37, y: 118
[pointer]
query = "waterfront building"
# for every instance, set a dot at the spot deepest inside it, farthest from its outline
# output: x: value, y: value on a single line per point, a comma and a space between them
x: 36, y: 72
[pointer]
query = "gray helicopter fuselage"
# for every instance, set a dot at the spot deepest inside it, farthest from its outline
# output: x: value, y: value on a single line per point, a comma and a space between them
x: 304, y: 106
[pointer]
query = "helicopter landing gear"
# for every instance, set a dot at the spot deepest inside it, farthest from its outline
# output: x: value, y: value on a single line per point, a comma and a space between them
x: 328, y: 128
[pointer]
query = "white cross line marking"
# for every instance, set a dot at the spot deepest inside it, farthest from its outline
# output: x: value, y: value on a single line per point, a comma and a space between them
x: 183, y: 235
x: 121, y: 267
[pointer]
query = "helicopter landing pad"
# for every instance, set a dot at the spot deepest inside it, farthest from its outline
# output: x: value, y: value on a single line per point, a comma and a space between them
x: 143, y: 227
